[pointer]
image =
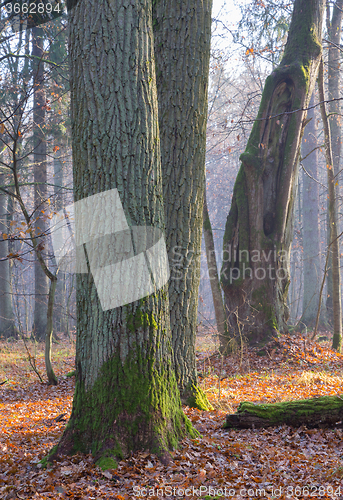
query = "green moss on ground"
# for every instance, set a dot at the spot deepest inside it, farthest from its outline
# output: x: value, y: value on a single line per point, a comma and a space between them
x: 291, y: 410
x: 106, y: 463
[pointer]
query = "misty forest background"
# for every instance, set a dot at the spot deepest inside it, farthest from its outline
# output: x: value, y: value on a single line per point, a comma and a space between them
x: 35, y: 116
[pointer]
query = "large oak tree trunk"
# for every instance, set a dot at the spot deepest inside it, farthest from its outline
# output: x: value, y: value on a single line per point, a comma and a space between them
x: 126, y: 395
x: 182, y: 31
x: 259, y: 227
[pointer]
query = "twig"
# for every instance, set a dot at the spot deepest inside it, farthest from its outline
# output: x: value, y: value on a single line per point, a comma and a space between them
x: 32, y: 361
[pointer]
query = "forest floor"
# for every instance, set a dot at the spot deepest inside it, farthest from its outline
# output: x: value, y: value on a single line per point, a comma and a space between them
x: 280, y: 462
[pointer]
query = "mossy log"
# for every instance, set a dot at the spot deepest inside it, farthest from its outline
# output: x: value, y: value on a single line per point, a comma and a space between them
x: 315, y: 412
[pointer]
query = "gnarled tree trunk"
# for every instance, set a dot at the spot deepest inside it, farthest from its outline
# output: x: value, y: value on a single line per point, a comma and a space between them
x: 259, y: 227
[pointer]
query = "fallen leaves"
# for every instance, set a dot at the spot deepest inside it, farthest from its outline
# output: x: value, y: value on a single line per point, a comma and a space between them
x: 223, y: 464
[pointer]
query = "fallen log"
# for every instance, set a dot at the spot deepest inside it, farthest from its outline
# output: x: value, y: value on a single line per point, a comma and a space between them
x: 314, y: 412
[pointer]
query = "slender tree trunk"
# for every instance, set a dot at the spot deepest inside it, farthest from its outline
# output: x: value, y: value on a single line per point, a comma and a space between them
x: 334, y: 27
x: 334, y: 241
x: 259, y: 227
x: 214, y: 279
x: 60, y: 295
x: 52, y: 379
x: 7, y: 325
x: 311, y: 238
x: 40, y: 178
x: 126, y: 395
x: 182, y: 32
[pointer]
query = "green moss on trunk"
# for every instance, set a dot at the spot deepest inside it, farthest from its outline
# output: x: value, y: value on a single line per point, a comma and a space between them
x: 132, y: 405
x: 196, y: 398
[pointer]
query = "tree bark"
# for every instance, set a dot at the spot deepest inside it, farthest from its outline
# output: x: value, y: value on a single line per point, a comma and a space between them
x: 60, y: 315
x: 214, y: 280
x: 311, y: 237
x: 182, y: 32
x: 259, y: 227
x: 334, y: 240
x: 334, y: 28
x: 52, y: 379
x: 314, y: 412
x: 126, y: 395
x: 40, y: 179
x: 7, y: 324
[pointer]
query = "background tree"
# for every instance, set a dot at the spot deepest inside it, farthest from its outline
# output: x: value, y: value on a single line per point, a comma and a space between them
x: 40, y: 179
x: 311, y: 235
x: 334, y: 241
x: 214, y: 280
x: 334, y: 30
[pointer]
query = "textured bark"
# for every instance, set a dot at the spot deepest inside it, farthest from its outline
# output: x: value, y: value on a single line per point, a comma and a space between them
x: 182, y: 31
x: 40, y: 178
x: 60, y: 315
x: 52, y: 379
x: 334, y: 28
x: 126, y: 395
x: 334, y: 241
x: 259, y: 227
x: 315, y: 412
x: 214, y: 279
x: 7, y: 325
x: 311, y: 237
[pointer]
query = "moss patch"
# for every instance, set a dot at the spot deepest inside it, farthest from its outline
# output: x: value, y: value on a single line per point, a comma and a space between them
x: 106, y: 463
x: 133, y: 405
x: 198, y: 399
x: 288, y: 411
